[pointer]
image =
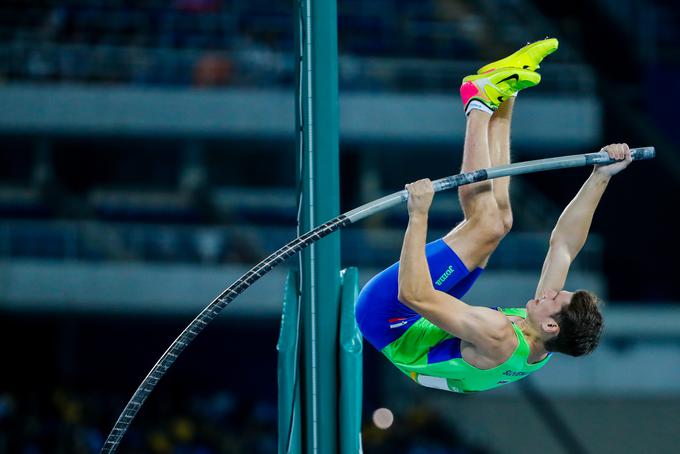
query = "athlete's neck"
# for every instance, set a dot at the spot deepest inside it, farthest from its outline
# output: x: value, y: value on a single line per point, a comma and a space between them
x: 537, y: 349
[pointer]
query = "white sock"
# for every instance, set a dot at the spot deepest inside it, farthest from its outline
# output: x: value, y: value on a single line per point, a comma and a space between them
x: 477, y: 105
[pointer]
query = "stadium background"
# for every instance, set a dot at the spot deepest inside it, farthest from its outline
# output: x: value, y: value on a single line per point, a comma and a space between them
x: 147, y: 160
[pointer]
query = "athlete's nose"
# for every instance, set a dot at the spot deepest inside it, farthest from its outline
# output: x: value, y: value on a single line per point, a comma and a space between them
x: 550, y: 294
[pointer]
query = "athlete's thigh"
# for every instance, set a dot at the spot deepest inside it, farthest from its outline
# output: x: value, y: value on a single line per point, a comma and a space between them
x: 381, y: 317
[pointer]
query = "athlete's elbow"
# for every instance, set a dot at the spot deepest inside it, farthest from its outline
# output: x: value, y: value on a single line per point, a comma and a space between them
x: 557, y: 237
x: 409, y: 297
x: 571, y: 245
x: 405, y: 297
x: 413, y: 296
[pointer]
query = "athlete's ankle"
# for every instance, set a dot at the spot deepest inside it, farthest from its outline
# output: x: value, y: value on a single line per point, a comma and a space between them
x: 475, y: 113
x: 477, y: 106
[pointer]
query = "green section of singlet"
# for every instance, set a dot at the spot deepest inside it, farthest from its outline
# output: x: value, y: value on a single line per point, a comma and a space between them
x: 410, y: 353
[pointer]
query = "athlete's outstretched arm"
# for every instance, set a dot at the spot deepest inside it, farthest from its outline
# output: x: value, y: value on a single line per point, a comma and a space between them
x: 481, y: 326
x: 571, y: 231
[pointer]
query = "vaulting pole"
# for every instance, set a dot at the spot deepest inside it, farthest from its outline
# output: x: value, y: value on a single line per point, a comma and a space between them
x: 310, y: 238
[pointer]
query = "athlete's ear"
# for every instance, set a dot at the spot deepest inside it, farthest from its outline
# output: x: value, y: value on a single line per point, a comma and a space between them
x: 550, y: 326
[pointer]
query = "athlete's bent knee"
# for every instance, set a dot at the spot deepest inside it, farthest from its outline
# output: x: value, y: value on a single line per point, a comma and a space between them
x: 491, y: 226
x: 507, y: 222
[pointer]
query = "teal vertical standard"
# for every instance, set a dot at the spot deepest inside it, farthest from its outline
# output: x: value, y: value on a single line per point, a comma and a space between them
x: 288, y: 347
x: 318, y: 148
x: 351, y: 367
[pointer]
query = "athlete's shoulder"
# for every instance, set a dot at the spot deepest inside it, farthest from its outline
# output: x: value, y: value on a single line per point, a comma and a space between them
x: 495, y: 323
x: 499, y: 339
x: 492, y: 314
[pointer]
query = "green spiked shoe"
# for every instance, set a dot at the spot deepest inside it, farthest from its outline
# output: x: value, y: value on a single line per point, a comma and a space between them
x: 494, y: 87
x: 528, y: 57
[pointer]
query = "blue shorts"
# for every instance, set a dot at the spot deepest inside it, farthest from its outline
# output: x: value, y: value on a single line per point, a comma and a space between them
x: 382, y: 318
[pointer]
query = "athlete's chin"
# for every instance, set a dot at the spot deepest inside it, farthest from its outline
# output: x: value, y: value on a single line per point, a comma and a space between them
x: 531, y: 305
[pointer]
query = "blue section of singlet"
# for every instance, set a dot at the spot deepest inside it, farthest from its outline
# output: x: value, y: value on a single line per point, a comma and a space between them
x: 382, y: 318
x: 444, y: 351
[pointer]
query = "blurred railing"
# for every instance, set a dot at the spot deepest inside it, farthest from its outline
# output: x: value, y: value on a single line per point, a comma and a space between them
x: 255, y: 66
x: 105, y: 241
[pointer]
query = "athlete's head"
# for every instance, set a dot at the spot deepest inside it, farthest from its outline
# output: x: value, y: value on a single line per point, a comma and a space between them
x: 570, y: 323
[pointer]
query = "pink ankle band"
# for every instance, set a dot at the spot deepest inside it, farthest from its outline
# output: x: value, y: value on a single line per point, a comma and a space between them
x: 467, y: 91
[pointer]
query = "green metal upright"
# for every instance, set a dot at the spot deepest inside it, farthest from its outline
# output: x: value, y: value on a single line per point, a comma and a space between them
x: 290, y: 418
x: 320, y: 374
x: 318, y: 111
x: 351, y: 367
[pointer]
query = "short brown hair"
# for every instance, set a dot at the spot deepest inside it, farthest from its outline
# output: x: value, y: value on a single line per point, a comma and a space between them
x: 580, y: 326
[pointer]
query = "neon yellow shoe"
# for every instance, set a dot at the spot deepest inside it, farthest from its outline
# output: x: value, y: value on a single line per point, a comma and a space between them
x: 494, y: 87
x: 528, y: 57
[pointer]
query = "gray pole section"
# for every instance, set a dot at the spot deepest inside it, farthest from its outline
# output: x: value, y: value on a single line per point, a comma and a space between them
x: 517, y: 168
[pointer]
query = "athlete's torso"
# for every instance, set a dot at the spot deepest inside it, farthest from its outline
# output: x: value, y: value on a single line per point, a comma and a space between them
x: 434, y: 358
x: 482, y: 360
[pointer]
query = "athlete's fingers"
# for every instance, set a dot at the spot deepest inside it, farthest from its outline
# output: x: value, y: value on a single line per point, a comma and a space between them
x: 420, y: 187
x: 426, y: 185
x: 420, y: 196
x: 615, y: 151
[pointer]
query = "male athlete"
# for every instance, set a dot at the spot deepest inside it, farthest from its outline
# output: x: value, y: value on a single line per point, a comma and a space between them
x: 412, y: 313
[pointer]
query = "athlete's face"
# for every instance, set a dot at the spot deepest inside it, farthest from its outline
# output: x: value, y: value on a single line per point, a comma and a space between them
x: 542, y: 310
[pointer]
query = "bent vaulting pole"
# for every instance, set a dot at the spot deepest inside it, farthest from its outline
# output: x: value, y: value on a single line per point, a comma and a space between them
x: 301, y: 242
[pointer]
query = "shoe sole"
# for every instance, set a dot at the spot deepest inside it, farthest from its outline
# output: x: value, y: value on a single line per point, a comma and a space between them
x: 528, y: 57
x: 523, y: 78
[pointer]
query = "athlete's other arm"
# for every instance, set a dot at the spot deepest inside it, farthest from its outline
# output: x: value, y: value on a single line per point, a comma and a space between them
x: 481, y: 326
x: 571, y: 231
